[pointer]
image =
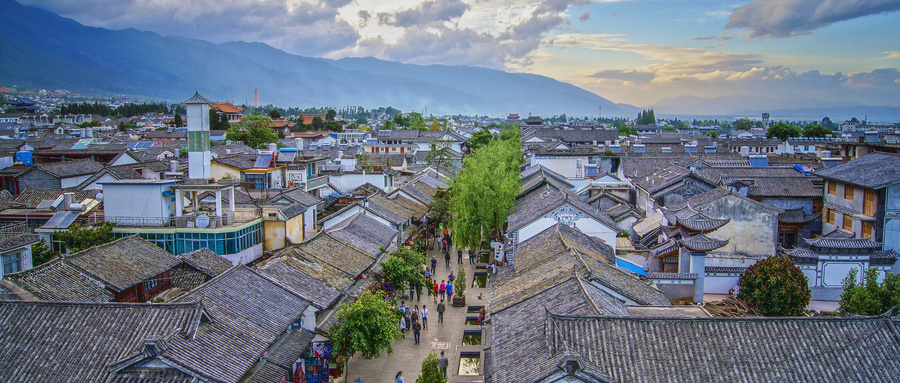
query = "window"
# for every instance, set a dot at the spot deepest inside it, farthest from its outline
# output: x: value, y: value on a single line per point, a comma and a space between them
x: 869, y: 203
x: 848, y: 222
x: 832, y: 188
x: 867, y: 229
x: 12, y: 263
x: 828, y: 214
x: 150, y: 284
x: 848, y: 192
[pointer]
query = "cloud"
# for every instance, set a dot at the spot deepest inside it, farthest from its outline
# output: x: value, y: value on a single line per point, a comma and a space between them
x: 425, y: 14
x: 891, y: 54
x: 786, y: 18
x: 585, y: 16
x: 701, y: 38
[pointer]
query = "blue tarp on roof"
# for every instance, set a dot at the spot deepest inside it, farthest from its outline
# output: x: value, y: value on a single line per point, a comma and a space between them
x: 621, y: 263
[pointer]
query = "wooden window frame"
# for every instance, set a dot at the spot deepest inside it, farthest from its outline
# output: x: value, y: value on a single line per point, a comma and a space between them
x: 849, y: 192
x: 832, y: 187
x: 847, y: 223
x: 828, y: 214
x: 868, y: 229
x: 869, y: 203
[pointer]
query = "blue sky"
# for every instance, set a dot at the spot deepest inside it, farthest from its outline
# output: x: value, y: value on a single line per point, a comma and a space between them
x: 638, y: 52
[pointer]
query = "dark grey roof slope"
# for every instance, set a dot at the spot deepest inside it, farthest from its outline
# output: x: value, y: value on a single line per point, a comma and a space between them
x: 543, y: 200
x: 124, y: 262
x: 31, y: 198
x: 77, y: 342
x: 57, y: 280
x: 249, y: 312
x: 875, y: 171
x: 18, y: 241
x: 72, y: 168
x: 291, y: 273
x: 364, y: 233
x: 300, y: 196
x: 818, y: 349
x: 206, y: 261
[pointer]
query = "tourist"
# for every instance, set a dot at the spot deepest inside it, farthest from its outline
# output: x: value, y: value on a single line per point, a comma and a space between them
x: 451, y: 277
x: 441, y: 309
x: 471, y: 257
x: 449, y: 290
x: 415, y: 314
x: 424, y: 317
x: 407, y: 318
x: 458, y: 256
x: 443, y: 289
x: 447, y: 258
x: 442, y: 363
x: 399, y: 377
x: 481, y: 314
x: 434, y: 288
x: 433, y: 262
x: 402, y: 327
x: 417, y: 330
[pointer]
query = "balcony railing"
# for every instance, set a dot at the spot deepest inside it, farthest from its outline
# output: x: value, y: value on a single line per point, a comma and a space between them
x: 189, y: 221
x: 315, y: 183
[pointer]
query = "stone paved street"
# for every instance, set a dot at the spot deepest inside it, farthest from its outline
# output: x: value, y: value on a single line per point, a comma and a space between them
x: 447, y: 336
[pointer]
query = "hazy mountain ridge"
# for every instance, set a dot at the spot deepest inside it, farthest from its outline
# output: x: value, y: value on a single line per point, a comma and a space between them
x: 754, y: 106
x: 41, y: 49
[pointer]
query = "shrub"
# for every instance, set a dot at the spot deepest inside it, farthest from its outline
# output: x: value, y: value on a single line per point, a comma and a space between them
x: 775, y: 286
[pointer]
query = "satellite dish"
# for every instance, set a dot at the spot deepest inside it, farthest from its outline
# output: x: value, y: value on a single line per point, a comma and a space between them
x: 202, y: 221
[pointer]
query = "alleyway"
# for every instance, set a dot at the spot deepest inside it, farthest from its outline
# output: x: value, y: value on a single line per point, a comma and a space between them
x: 447, y: 336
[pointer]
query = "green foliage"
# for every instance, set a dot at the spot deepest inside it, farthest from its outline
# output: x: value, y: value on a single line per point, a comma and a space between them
x: 330, y: 115
x: 775, y: 286
x: 178, y: 121
x: 439, y: 210
x: 127, y: 110
x: 78, y: 238
x: 459, y: 285
x: 435, y: 126
x: 124, y: 126
x: 403, y: 268
x: 41, y: 253
x: 816, y: 130
x: 218, y: 121
x: 783, y: 131
x: 626, y: 130
x: 274, y: 113
x: 713, y: 134
x: 431, y: 370
x: 868, y: 297
x: 479, y: 139
x: 742, y: 124
x: 646, y: 117
x: 253, y: 131
x: 368, y: 326
x: 318, y: 123
x: 511, y: 133
x: 362, y: 120
x: 624, y: 234
x: 89, y: 124
x: 440, y: 155
x: 484, y: 191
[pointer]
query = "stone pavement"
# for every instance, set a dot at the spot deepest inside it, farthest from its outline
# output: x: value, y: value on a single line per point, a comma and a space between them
x: 447, y: 336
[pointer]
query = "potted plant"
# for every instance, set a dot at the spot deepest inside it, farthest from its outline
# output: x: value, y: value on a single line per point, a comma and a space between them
x: 459, y: 288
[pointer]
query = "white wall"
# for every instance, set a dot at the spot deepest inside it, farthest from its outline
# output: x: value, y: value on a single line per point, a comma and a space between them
x: 144, y: 201
x: 347, y: 182
x: 586, y: 225
x: 73, y: 181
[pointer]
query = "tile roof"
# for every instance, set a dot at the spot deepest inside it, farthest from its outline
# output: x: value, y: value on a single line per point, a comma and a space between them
x: 702, y: 243
x: 544, y: 200
x: 842, y: 243
x: 364, y: 233
x: 875, y: 171
x: 71, y: 168
x: 821, y: 349
x: 329, y: 250
x: 701, y: 222
x: 77, y: 342
x: 249, y: 312
x: 295, y: 274
x: 31, y: 198
x: 794, y: 187
x: 124, y: 262
x: 797, y: 216
x: 300, y: 196
x: 58, y: 280
x: 419, y: 209
x: 206, y: 261
x: 15, y: 242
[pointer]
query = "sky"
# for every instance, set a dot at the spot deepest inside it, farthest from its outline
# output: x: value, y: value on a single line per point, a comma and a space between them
x: 638, y: 52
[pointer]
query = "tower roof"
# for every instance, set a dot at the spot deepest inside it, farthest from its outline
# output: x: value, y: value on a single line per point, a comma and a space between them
x: 702, y: 243
x: 197, y: 99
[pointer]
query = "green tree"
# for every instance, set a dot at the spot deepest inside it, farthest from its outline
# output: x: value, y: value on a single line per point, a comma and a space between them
x: 178, y: 121
x: 389, y: 125
x: 480, y: 138
x: 627, y: 131
x: 484, y: 191
x: 868, y: 297
x: 416, y: 121
x: 459, y: 286
x: 253, y: 131
x: 511, y: 133
x: 775, y: 286
x: 816, y: 130
x: 435, y: 126
x: 646, y: 117
x: 367, y: 327
x: 783, y: 131
x: 78, y: 237
x: 439, y: 209
x: 743, y: 124
x: 318, y: 123
x: 713, y: 134
x: 274, y: 113
x: 431, y: 370
x: 41, y: 253
x: 218, y: 121
x: 330, y: 115
x: 362, y: 120
x: 440, y: 155
x: 403, y: 269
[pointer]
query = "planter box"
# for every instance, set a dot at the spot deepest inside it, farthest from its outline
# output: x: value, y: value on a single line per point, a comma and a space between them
x: 459, y: 301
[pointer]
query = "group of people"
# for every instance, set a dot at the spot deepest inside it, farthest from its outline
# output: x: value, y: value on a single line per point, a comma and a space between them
x: 416, y: 319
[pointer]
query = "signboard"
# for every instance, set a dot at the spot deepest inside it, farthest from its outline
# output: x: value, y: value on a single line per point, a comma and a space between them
x: 498, y: 251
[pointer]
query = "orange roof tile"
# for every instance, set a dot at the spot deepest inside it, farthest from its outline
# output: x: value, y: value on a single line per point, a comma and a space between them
x: 226, y: 107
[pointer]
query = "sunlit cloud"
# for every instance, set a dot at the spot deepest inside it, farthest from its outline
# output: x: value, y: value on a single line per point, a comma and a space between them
x: 785, y: 18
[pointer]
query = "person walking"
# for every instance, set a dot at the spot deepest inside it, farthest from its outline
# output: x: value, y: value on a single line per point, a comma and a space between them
x: 447, y: 258
x: 440, y: 309
x: 442, y: 363
x: 415, y: 314
x: 417, y: 330
x: 435, y: 288
x: 449, y: 291
x: 471, y: 257
x: 481, y: 314
x: 399, y: 377
x: 444, y: 246
x: 458, y: 256
x: 443, y: 289
x: 433, y: 263
x: 424, y: 317
x: 451, y: 277
x: 407, y: 317
x: 402, y: 327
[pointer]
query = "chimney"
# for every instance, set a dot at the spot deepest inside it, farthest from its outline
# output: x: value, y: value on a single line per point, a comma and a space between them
x: 273, y: 147
x: 67, y: 200
x: 173, y: 166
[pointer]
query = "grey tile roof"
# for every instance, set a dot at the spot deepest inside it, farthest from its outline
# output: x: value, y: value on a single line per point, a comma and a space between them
x: 364, y: 233
x: 72, y: 168
x: 124, y: 262
x: 701, y: 222
x: 875, y: 171
x: 326, y: 249
x: 295, y: 274
x: 15, y: 242
x: 77, y: 342
x: 842, y: 243
x: 299, y: 196
x: 293, y: 210
x: 797, y: 216
x: 206, y: 261
x: 58, y: 280
x: 542, y: 172
x: 31, y: 198
x: 792, y: 187
x: 384, y: 205
x: 249, y: 312
x: 702, y: 243
x: 820, y: 349
x: 543, y: 200
x: 413, y: 205
x: 237, y: 161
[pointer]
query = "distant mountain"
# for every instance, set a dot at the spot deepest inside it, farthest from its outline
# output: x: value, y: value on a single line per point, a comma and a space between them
x: 41, y: 49
x: 754, y: 106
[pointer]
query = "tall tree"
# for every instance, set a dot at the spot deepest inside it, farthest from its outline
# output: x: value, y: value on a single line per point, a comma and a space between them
x: 330, y: 115
x: 484, y: 191
x: 318, y: 123
x: 439, y: 209
x: 440, y: 155
x: 783, y: 131
x: 178, y: 122
x: 743, y: 124
x: 367, y: 327
x: 431, y: 370
x: 253, y: 131
x: 274, y: 113
x: 775, y: 286
x: 868, y: 296
x: 480, y: 138
x: 816, y: 130
x: 403, y: 268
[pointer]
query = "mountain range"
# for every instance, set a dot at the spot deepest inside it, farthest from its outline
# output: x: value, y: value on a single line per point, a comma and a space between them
x: 41, y: 49
x: 789, y: 109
